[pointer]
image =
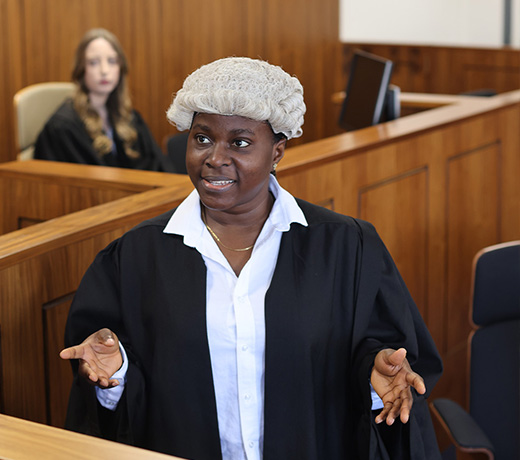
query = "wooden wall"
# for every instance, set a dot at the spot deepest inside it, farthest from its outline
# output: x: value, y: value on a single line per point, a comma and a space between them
x: 165, y: 40
x: 446, y: 70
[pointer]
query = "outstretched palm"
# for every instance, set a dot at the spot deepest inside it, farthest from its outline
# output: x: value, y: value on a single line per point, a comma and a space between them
x: 99, y: 358
x: 392, y: 379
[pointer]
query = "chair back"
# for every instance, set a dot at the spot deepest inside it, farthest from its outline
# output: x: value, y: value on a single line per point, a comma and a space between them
x: 33, y: 106
x: 495, y: 347
x: 175, y: 146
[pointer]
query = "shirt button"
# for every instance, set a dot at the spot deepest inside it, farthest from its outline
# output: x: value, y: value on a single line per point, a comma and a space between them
x: 244, y: 347
x: 247, y: 397
x: 251, y: 444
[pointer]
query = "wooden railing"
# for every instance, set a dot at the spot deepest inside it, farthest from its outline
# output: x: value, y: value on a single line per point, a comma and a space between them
x: 36, y: 191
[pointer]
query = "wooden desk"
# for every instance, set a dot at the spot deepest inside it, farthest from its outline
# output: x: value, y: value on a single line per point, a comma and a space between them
x: 24, y: 440
x: 415, y: 100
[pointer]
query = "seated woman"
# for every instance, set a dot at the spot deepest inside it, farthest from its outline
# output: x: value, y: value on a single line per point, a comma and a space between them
x: 98, y: 125
x: 246, y: 323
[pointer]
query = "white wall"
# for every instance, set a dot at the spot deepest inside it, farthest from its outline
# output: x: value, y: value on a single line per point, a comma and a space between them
x: 429, y: 22
x: 516, y: 27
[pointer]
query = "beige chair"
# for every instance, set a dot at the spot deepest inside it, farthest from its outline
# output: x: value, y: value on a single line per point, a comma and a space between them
x: 33, y: 106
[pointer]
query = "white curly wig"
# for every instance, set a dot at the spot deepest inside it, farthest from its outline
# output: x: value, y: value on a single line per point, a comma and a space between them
x: 245, y: 87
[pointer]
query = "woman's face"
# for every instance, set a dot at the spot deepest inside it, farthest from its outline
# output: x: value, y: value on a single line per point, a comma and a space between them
x: 102, y: 67
x: 229, y: 159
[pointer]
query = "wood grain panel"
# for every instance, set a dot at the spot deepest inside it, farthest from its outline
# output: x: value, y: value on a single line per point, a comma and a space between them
x: 12, y: 76
x: 324, y: 185
x: 59, y: 374
x: 39, y: 201
x: 473, y: 222
x: 384, y: 205
x: 21, y: 341
x: 165, y: 40
x: 35, y: 191
x: 509, y: 134
x: 446, y: 70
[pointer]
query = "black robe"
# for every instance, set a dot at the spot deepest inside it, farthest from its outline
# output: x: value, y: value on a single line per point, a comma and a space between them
x: 65, y: 138
x: 336, y: 298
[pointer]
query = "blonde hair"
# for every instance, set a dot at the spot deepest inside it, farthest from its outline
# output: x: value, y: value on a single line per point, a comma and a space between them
x: 119, y: 105
x: 245, y: 87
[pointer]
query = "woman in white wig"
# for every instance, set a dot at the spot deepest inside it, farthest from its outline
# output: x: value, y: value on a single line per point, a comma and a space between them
x: 248, y: 324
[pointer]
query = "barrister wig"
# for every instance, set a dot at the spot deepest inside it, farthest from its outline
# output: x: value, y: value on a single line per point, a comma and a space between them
x: 245, y: 87
x: 118, y: 104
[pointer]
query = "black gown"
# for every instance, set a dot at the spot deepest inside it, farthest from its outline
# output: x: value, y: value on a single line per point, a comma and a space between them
x: 65, y: 138
x: 336, y: 299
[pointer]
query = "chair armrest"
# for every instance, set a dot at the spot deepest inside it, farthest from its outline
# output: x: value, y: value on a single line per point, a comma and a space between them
x: 461, y: 427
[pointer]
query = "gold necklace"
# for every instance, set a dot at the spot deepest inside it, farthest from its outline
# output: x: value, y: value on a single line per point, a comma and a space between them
x: 217, y: 239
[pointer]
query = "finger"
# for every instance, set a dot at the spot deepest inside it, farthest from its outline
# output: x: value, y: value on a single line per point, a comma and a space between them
x: 103, y: 382
x: 416, y: 381
x: 96, y: 375
x: 406, y: 407
x: 106, y: 336
x: 381, y: 417
x: 71, y: 353
x: 394, y: 412
x: 87, y: 372
x: 397, y: 357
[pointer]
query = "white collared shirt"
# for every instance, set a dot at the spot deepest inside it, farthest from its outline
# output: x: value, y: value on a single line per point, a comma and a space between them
x: 236, y: 320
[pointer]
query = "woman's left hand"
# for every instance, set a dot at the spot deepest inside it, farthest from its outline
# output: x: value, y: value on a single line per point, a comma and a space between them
x: 392, y: 379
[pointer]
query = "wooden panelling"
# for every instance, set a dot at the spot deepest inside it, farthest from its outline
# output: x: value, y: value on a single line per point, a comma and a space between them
x: 12, y: 63
x: 22, y: 352
x: 39, y: 201
x: 447, y: 70
x: 385, y: 205
x: 37, y: 191
x: 59, y: 376
x: 473, y: 217
x: 165, y: 40
x: 509, y: 121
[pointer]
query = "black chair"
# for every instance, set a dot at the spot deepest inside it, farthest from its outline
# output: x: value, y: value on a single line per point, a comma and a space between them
x: 175, y: 146
x: 482, y: 92
x: 492, y: 425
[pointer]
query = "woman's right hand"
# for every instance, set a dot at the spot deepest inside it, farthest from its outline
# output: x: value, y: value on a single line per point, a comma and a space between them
x: 99, y: 358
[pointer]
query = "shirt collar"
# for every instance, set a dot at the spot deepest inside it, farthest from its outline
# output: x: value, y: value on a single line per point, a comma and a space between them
x: 186, y: 220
